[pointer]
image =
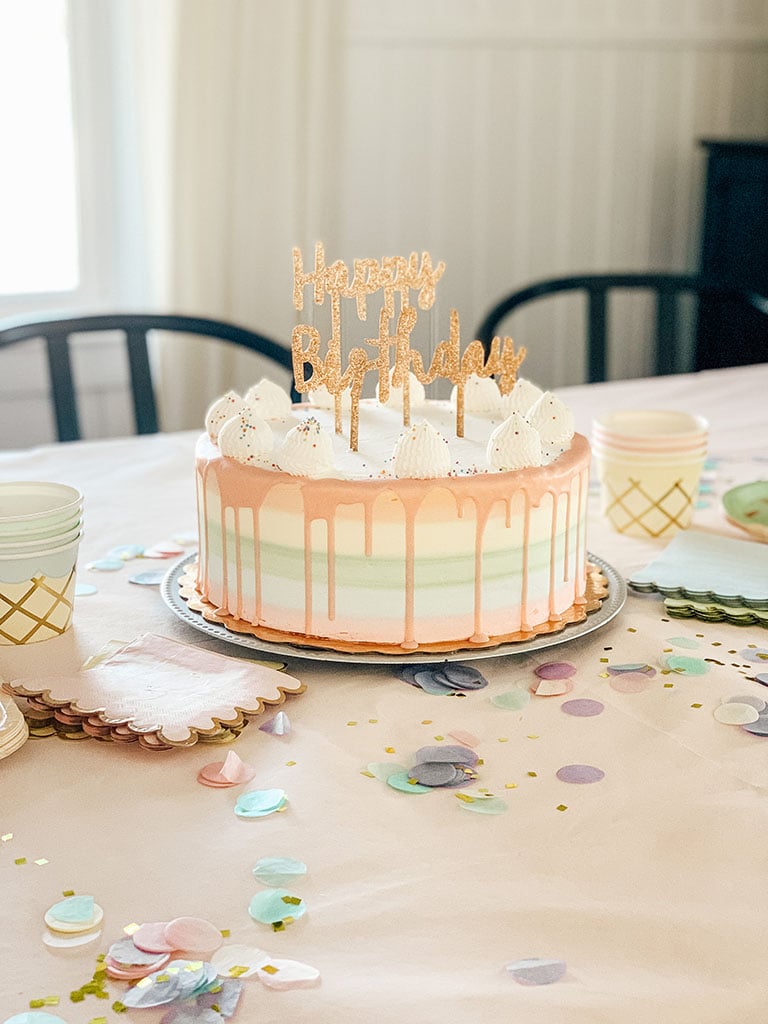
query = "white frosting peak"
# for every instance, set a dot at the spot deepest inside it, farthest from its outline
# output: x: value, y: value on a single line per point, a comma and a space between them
x: 322, y: 398
x: 269, y: 400
x: 552, y: 418
x: 421, y: 452
x: 307, y: 450
x: 514, y: 444
x: 223, y: 409
x: 417, y: 395
x: 481, y: 395
x: 522, y: 397
x: 246, y: 437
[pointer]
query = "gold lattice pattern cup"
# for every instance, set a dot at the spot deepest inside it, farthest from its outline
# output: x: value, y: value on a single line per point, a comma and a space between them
x: 40, y: 530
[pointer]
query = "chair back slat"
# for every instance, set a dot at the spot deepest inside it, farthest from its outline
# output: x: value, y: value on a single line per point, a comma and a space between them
x: 666, y: 332
x: 144, y: 406
x: 597, y: 333
x: 62, y: 387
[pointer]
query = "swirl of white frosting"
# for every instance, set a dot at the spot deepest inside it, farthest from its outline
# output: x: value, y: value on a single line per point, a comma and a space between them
x: 514, y: 444
x: 323, y: 399
x: 553, y: 420
x: 421, y: 452
x: 307, y: 450
x: 246, y: 438
x: 269, y: 400
x: 522, y: 397
x: 223, y: 409
x: 417, y: 396
x: 481, y: 395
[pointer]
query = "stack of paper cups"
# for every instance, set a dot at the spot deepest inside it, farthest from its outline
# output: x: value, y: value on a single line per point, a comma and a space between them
x: 40, y: 529
x: 649, y: 463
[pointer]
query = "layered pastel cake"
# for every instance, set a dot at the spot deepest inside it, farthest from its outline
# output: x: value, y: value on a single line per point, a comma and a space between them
x: 394, y: 523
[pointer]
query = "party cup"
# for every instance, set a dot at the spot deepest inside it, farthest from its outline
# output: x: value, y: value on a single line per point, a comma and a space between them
x: 40, y: 530
x: 649, y: 464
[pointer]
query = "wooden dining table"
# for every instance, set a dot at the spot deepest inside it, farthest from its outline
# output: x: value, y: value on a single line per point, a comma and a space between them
x: 650, y: 884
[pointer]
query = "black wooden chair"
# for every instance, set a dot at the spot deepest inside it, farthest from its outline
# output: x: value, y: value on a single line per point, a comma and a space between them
x: 667, y: 288
x: 57, y: 332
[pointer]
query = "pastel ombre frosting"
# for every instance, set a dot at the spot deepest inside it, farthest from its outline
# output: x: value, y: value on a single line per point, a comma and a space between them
x: 417, y: 539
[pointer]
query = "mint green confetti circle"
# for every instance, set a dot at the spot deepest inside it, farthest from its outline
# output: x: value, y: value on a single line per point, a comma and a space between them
x: 687, y: 666
x: 400, y: 781
x: 275, y: 905
x: 489, y: 805
x: 512, y: 700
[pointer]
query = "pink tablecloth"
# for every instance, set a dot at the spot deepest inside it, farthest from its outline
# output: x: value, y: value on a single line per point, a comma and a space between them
x: 650, y: 885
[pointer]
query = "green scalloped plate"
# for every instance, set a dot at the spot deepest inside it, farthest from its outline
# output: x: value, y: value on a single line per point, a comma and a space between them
x: 746, y: 506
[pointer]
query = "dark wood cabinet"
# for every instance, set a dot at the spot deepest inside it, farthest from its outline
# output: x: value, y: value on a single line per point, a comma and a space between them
x: 734, y: 249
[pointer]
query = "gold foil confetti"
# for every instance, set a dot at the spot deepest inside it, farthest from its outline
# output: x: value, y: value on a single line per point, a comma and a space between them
x: 67, y: 892
x: 20, y: 860
x: 389, y: 750
x: 225, y: 933
x: 503, y: 739
x: 533, y: 775
x: 372, y: 721
x: 237, y: 970
x: 118, y: 1007
x: 439, y: 738
x: 289, y: 764
x: 426, y: 721
x: 696, y: 705
x: 351, y: 723
x: 270, y: 969
x: 510, y: 785
x: 294, y: 901
x: 368, y: 774
x: 562, y: 807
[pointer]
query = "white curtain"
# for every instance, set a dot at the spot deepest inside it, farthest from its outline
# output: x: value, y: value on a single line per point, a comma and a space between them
x: 253, y: 134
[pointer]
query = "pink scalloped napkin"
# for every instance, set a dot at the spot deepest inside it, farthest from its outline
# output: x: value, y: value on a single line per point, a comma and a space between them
x: 161, y: 686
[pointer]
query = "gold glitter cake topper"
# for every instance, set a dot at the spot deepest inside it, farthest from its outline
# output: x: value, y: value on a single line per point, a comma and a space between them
x: 395, y: 275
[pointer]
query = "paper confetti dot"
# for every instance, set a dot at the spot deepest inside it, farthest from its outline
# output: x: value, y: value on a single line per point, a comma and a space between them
x: 555, y: 670
x: 483, y: 805
x: 257, y: 803
x: 582, y: 707
x: 580, y: 774
x: 85, y: 589
x: 752, y: 699
x: 147, y: 579
x: 758, y: 728
x: 758, y: 654
x: 285, y: 974
x: 273, y: 905
x: 537, y: 971
x: 193, y: 934
x: 552, y: 687
x: 638, y: 666
x: 630, y: 682
x: 106, y: 564
x: 687, y: 666
x: 735, y: 714
x: 512, y: 700
x: 279, y: 870
x: 405, y: 783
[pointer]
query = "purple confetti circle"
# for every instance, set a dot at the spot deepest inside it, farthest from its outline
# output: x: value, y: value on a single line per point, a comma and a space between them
x: 583, y: 707
x: 759, y: 654
x: 580, y: 774
x: 555, y: 670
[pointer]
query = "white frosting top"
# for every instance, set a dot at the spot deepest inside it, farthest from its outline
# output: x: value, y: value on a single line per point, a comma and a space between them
x: 307, y: 450
x: 421, y: 452
x: 514, y: 444
x: 322, y: 398
x: 481, y: 395
x: 304, y: 442
x: 269, y: 400
x: 220, y: 411
x: 246, y: 437
x: 417, y: 394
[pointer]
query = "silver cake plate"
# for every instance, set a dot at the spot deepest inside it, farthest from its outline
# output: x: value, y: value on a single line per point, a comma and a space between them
x: 610, y: 607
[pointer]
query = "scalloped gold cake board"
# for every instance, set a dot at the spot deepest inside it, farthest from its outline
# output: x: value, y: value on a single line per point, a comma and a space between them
x: 596, y: 592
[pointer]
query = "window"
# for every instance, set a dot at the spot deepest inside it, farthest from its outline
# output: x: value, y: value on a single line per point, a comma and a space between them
x: 38, y: 196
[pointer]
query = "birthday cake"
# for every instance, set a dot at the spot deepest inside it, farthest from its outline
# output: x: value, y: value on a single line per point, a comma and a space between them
x: 393, y: 523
